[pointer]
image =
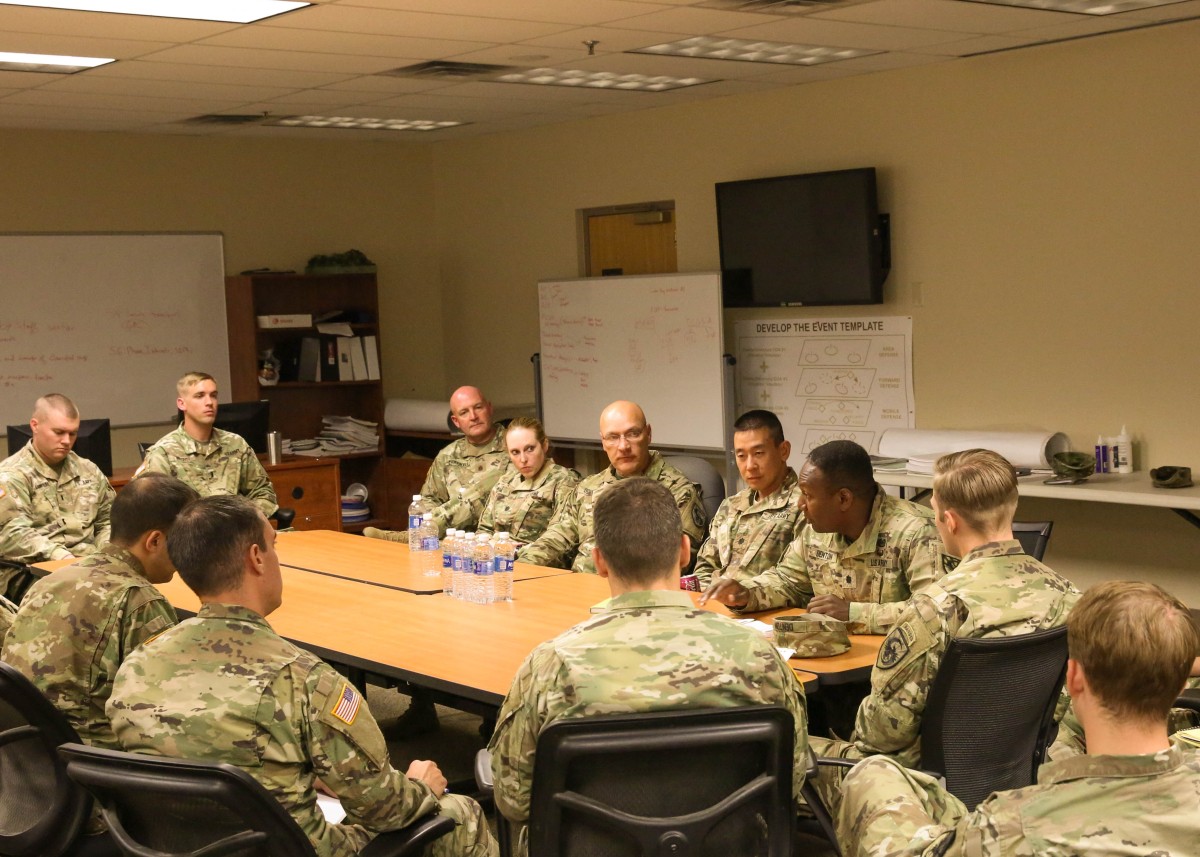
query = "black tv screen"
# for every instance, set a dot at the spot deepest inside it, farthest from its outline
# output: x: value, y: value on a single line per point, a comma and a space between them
x: 805, y: 240
x: 251, y: 420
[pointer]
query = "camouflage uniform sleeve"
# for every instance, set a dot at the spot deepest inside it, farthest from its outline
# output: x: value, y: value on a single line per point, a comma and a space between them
x: 785, y: 585
x: 434, y: 486
x: 889, y: 719
x: 255, y: 485
x: 922, y: 558
x: 708, y: 558
x: 1069, y: 741
x: 156, y: 461
x: 350, y: 756
x: 20, y: 540
x: 888, y: 809
x: 465, y: 510
x: 487, y: 518
x: 518, y: 725
x: 691, y: 515
x: 8, y: 612
x: 555, y: 547
x: 103, y: 522
x: 146, y: 615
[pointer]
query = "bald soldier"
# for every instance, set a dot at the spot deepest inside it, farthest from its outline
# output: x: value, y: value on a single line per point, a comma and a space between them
x: 53, y: 504
x: 463, y: 473
x: 224, y: 687
x: 626, y: 436
x: 647, y: 648
x: 996, y: 591
x: 1130, y: 646
x: 211, y: 460
x: 753, y: 528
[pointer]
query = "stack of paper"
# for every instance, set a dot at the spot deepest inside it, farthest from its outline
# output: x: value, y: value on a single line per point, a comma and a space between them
x: 883, y: 464
x: 922, y: 465
x: 347, y: 434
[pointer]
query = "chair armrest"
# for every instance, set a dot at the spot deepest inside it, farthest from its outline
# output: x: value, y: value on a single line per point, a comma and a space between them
x: 483, y: 773
x: 284, y: 517
x: 411, y: 840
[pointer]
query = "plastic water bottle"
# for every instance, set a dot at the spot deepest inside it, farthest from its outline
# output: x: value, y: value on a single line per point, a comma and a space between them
x: 484, y: 572
x: 463, y: 578
x: 506, y: 555
x: 416, y: 511
x: 449, y: 546
x: 431, y: 554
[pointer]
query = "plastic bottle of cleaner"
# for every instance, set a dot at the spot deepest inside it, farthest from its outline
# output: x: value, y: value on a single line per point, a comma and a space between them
x: 1122, y: 460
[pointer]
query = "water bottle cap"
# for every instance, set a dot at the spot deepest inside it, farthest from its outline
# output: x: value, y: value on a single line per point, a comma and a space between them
x: 416, y: 497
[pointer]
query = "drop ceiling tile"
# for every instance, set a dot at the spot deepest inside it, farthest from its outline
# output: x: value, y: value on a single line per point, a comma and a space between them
x: 297, y: 60
x: 694, y: 21
x: 387, y: 84
x: 26, y: 19
x: 952, y: 15
x: 551, y: 11
x: 400, y: 47
x: 76, y: 46
x: 521, y: 55
x: 978, y: 45
x: 532, y: 92
x: 72, y: 101
x: 309, y: 100
x: 1173, y: 12
x: 22, y: 80
x: 354, y: 19
x: 1083, y: 25
x: 807, y: 31
x: 675, y: 66
x: 141, y: 70
x: 610, y: 39
x: 461, y: 106
x: 29, y: 105
x: 163, y: 89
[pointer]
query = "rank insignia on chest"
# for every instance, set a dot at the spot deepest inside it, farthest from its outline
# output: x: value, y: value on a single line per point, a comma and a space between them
x: 346, y: 709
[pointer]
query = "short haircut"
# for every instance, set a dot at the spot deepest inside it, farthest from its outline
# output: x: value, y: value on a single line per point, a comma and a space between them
x: 760, y: 419
x: 845, y: 464
x: 209, y: 541
x: 1136, y: 643
x: 531, y: 423
x: 150, y: 502
x: 978, y: 484
x: 191, y: 379
x: 637, y: 529
x: 55, y: 402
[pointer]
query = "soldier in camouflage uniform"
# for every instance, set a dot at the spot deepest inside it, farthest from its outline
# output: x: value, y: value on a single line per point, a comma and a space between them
x: 996, y: 591
x: 53, y: 504
x: 524, y: 500
x: 751, y: 530
x: 1133, y: 793
x: 77, y: 625
x: 210, y: 460
x: 568, y: 541
x: 463, y: 473
x: 225, y: 687
x: 861, y: 557
x: 647, y: 648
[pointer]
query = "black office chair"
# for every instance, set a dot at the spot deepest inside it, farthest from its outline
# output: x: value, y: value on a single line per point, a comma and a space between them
x: 1033, y: 536
x: 714, y: 782
x: 42, y: 812
x: 161, y: 807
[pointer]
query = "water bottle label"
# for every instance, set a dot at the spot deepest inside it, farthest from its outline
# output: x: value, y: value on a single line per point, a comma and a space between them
x: 429, y: 543
x: 482, y: 566
x: 447, y: 560
x: 503, y: 563
x: 414, y: 521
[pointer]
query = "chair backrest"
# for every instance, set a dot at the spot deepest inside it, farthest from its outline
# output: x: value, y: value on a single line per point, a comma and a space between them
x: 42, y: 812
x: 703, y: 474
x: 990, y: 712
x: 715, y: 782
x: 161, y: 807
x: 1033, y: 536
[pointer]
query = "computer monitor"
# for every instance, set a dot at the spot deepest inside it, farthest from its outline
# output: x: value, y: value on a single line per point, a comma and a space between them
x: 251, y: 420
x: 93, y: 443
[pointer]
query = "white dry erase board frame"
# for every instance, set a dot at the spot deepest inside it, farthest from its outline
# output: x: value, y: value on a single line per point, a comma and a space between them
x: 110, y: 320
x: 655, y: 340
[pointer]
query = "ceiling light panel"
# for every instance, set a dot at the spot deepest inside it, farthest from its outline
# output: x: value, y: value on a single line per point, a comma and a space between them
x: 351, y: 122
x: 49, y: 63
x: 581, y: 79
x: 1081, y: 7
x: 231, y: 11
x: 745, y: 50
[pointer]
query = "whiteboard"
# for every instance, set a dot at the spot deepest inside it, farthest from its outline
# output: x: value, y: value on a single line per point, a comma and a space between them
x: 109, y: 320
x: 655, y: 340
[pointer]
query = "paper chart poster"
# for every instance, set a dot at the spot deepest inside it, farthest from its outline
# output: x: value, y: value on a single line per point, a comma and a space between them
x: 828, y: 378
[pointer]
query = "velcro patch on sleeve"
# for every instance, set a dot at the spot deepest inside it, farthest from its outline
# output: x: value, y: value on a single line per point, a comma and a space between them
x: 346, y: 707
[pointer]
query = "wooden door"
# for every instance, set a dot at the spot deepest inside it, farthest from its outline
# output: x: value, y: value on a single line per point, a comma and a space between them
x: 631, y: 242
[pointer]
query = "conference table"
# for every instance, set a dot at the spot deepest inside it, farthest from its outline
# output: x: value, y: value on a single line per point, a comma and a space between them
x: 356, y: 602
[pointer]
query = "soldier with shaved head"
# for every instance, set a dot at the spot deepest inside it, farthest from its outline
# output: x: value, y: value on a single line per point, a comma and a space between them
x: 626, y: 435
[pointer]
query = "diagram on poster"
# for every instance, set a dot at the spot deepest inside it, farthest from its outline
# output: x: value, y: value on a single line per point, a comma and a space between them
x: 828, y: 379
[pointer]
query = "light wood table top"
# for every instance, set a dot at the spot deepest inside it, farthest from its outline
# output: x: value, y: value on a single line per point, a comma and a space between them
x: 374, y: 561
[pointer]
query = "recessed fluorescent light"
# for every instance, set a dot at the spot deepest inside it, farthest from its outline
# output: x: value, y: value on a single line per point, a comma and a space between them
x: 361, y: 123
x: 600, y: 80
x: 745, y: 50
x: 1081, y: 7
x: 50, y: 63
x: 232, y: 11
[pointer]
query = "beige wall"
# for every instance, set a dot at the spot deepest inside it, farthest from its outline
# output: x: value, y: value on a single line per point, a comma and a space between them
x: 277, y: 203
x: 1043, y: 199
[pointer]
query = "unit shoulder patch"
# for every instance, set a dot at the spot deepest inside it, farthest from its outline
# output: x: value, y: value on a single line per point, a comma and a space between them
x: 896, y: 646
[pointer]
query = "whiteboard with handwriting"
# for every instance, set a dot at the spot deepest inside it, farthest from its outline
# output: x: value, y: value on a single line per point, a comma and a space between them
x: 655, y: 340
x: 109, y: 320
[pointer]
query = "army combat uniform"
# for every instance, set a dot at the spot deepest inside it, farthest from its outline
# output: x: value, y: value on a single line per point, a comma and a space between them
x: 997, y: 591
x: 1088, y: 806
x: 897, y: 554
x: 75, y: 628
x: 749, y: 533
x: 48, y: 513
x: 226, y: 465
x: 522, y: 507
x: 225, y: 687
x: 641, y: 651
x: 572, y: 534
x: 461, y: 478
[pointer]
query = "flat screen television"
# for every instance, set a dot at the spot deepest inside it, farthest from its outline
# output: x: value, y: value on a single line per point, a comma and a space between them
x: 94, y: 442
x: 251, y: 420
x: 804, y: 240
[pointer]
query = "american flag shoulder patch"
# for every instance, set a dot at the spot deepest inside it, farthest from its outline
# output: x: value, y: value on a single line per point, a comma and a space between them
x: 346, y: 709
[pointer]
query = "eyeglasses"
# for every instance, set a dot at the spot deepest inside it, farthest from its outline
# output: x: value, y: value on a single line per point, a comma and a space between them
x: 634, y: 434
